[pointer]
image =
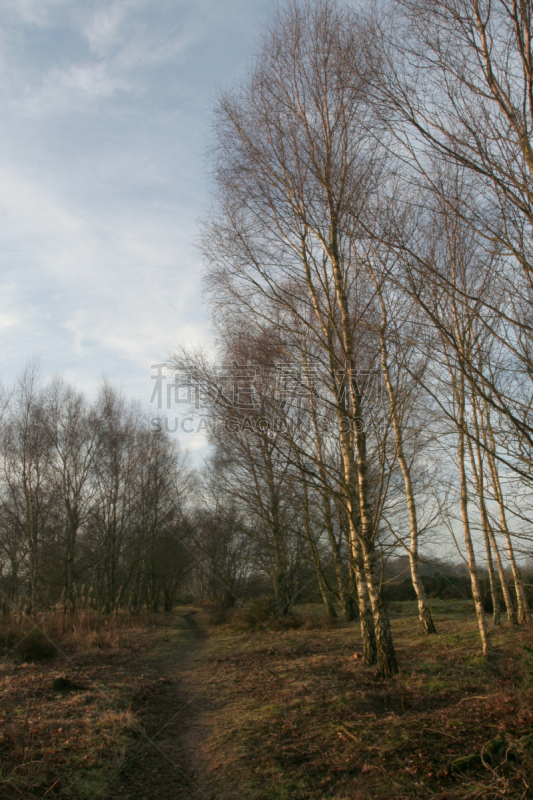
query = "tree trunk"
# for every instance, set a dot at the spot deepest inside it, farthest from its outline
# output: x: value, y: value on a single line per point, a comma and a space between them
x: 521, y: 599
x: 488, y: 533
x: 424, y: 614
x: 345, y: 597
x: 472, y: 568
x: 386, y: 656
x: 366, y: 617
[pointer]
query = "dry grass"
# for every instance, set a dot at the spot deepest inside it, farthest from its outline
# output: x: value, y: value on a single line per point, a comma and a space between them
x: 56, y: 632
x: 67, y: 744
x: 294, y: 715
x: 280, y: 713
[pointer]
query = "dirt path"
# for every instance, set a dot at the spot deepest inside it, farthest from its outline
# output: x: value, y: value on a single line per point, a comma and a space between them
x: 161, y: 763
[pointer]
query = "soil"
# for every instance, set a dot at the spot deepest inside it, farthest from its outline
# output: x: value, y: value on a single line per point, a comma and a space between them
x: 162, y: 763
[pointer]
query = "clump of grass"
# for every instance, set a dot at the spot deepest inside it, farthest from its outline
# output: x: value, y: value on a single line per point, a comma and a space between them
x: 323, y: 622
x: 290, y: 622
x: 69, y: 630
x: 318, y: 719
x: 263, y: 612
x: 218, y: 616
x: 528, y: 666
x: 34, y: 646
x: 67, y: 737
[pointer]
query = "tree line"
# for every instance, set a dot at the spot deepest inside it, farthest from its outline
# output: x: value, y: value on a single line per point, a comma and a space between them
x: 91, y: 501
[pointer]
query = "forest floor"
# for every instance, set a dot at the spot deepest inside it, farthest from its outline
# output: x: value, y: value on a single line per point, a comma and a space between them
x: 189, y: 710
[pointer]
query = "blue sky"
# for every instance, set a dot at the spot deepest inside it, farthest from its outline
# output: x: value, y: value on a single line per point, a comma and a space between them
x: 107, y: 106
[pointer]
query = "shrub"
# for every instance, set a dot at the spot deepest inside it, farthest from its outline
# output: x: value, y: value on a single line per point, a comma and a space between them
x: 218, y: 616
x: 320, y: 622
x: 287, y: 623
x: 261, y: 611
x: 34, y: 646
x: 264, y: 612
x: 8, y: 639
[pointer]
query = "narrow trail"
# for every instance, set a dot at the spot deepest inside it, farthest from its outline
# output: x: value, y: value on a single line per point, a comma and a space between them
x: 161, y: 763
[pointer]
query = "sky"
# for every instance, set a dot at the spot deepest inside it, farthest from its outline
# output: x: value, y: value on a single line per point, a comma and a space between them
x: 106, y: 114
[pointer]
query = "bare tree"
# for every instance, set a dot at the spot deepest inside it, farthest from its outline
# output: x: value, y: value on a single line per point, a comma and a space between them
x: 455, y: 90
x: 295, y: 169
x: 28, y: 496
x: 116, y: 460
x: 401, y: 390
x: 73, y: 431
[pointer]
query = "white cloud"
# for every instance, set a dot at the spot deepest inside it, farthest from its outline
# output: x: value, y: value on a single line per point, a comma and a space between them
x: 80, y: 85
x: 11, y: 315
x: 108, y: 26
x: 46, y: 234
x: 36, y: 12
x: 131, y: 174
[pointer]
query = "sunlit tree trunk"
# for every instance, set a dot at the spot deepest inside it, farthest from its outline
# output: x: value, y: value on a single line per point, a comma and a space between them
x: 490, y: 445
x: 488, y: 533
x: 424, y: 612
x: 472, y: 567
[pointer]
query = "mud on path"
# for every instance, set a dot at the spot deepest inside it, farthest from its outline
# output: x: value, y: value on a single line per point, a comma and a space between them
x: 161, y: 763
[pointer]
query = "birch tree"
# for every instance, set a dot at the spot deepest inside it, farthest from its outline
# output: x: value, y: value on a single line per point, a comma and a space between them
x: 294, y: 170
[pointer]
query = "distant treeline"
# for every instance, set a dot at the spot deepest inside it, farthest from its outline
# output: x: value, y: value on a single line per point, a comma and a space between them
x: 91, y: 501
x: 452, y: 585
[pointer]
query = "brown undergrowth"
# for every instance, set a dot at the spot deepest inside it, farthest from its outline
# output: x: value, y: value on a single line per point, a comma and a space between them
x: 293, y: 714
x: 67, y: 738
x: 279, y: 712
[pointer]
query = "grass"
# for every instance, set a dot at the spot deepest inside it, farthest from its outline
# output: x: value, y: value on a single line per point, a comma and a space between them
x: 293, y: 714
x: 67, y: 744
x: 282, y: 713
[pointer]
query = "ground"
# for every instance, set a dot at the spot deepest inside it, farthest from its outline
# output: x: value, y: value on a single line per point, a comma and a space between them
x: 187, y: 709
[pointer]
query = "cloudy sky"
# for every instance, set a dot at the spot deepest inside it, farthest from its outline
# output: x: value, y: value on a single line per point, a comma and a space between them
x: 106, y: 118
